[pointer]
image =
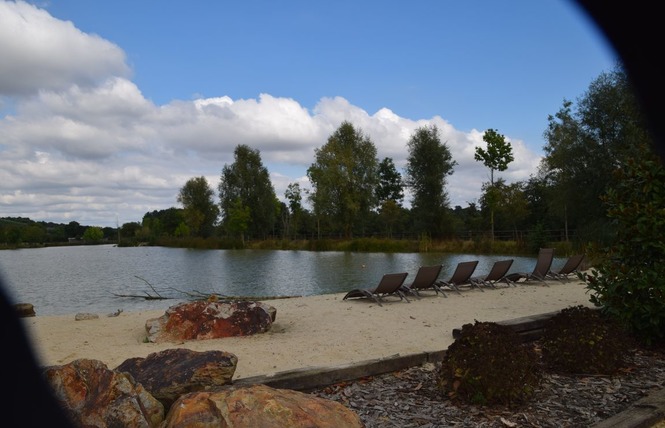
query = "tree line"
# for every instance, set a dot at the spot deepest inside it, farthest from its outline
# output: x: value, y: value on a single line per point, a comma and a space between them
x: 355, y: 194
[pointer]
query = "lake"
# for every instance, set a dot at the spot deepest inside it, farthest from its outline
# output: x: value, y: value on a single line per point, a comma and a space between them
x: 68, y: 280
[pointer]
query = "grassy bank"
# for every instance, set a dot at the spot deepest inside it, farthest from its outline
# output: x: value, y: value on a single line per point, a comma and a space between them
x: 376, y: 245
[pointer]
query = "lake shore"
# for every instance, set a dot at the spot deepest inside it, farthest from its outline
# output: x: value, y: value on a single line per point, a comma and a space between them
x: 311, y: 331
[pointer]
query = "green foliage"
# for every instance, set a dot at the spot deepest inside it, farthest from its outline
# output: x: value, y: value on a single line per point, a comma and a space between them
x: 293, y: 195
x: 629, y: 284
x: 166, y: 222
x: 585, y: 143
x: 428, y: 164
x: 390, y: 187
x: 200, y: 210
x: 498, y: 155
x: 488, y: 364
x: 247, y: 180
x: 182, y: 231
x: 344, y: 178
x: 581, y: 340
x: 93, y: 234
x: 537, y: 239
x: 239, y: 217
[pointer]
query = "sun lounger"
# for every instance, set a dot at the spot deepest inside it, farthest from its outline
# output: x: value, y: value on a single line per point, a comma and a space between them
x: 390, y: 285
x: 569, y: 268
x: 425, y: 280
x: 461, y: 276
x: 543, y: 265
x: 496, y: 275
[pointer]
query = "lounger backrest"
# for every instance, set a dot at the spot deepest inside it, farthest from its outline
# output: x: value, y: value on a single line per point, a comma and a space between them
x: 572, y: 264
x: 390, y: 283
x: 463, y: 272
x: 426, y: 276
x: 499, y: 270
x: 544, y: 262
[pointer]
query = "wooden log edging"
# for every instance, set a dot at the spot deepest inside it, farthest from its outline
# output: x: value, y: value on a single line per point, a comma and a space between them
x: 644, y: 413
x: 311, y: 378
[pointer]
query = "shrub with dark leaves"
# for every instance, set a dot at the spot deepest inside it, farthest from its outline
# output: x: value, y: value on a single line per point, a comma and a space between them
x: 582, y: 340
x: 488, y: 364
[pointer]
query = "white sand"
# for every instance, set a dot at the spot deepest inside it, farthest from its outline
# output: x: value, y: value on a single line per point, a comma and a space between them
x: 315, y: 331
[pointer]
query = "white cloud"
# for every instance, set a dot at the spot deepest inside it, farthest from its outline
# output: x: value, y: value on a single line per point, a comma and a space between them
x: 84, y: 144
x: 41, y: 52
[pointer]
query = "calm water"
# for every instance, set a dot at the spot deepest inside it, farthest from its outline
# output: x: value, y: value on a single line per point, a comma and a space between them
x: 66, y: 280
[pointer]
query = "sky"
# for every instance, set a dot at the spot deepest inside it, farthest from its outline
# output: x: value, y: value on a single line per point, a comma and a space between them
x: 107, y: 108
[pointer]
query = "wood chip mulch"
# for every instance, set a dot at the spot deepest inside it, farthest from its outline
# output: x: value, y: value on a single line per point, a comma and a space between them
x: 410, y: 398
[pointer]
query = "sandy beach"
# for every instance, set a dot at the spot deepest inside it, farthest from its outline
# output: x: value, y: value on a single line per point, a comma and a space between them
x: 313, y: 331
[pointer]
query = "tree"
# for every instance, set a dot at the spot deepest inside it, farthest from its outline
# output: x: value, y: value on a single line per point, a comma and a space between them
x: 344, y: 178
x: 200, y: 210
x: 390, y: 185
x: 584, y: 145
x: 239, y: 217
x: 498, y: 155
x: 293, y: 194
x: 73, y: 230
x: 129, y: 230
x: 163, y: 222
x: 93, y: 234
x: 509, y: 205
x: 428, y: 164
x: 246, y: 183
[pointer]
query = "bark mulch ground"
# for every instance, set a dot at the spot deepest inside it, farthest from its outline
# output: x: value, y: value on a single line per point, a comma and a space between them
x: 410, y: 398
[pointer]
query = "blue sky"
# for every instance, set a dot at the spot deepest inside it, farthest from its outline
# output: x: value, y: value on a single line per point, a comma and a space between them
x: 107, y: 108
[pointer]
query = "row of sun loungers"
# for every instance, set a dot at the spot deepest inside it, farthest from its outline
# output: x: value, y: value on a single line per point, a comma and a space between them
x: 427, y: 278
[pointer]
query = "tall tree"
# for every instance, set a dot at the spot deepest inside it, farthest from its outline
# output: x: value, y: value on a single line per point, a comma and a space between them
x: 200, y: 210
x: 293, y: 194
x: 245, y: 185
x: 390, y: 185
x: 344, y: 178
x: 429, y: 163
x: 389, y: 194
x: 585, y: 144
x: 498, y: 155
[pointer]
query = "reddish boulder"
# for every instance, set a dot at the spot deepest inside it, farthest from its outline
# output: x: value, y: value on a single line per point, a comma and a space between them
x: 95, y: 396
x: 258, y: 406
x: 210, y: 320
x: 174, y: 372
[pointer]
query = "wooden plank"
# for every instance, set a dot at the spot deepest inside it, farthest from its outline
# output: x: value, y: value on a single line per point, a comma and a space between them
x: 642, y: 414
x: 317, y: 377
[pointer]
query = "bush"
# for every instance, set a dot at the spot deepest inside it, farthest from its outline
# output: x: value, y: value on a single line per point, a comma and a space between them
x: 488, y: 364
x: 580, y: 340
x: 629, y: 284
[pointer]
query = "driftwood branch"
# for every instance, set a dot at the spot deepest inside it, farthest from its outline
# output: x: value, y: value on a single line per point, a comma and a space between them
x: 149, y: 285
x: 195, y: 294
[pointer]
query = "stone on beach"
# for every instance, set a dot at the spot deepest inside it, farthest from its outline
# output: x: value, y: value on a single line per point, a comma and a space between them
x: 93, y: 395
x: 210, y: 320
x: 259, y: 406
x: 171, y: 373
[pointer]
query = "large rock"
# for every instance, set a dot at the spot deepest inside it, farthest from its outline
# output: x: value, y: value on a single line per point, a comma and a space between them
x: 256, y: 407
x: 210, y: 320
x: 95, y: 396
x: 171, y: 373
